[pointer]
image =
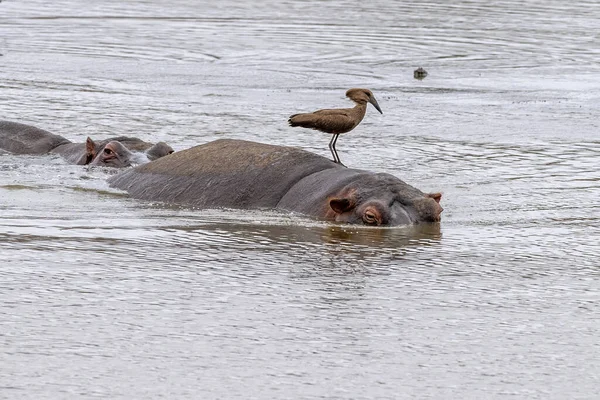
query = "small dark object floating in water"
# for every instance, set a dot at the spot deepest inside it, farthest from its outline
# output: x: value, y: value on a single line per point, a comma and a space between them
x: 420, y: 73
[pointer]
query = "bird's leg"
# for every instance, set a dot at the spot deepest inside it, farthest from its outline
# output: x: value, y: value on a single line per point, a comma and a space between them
x: 334, y: 151
x: 336, y: 158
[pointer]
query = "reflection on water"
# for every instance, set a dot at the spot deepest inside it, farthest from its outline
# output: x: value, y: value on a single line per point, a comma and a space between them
x: 106, y: 296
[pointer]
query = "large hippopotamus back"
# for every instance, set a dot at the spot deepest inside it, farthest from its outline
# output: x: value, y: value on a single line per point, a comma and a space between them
x: 230, y: 173
x: 224, y: 173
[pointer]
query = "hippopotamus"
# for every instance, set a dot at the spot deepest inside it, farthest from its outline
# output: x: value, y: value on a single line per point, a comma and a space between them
x: 239, y: 174
x: 25, y: 139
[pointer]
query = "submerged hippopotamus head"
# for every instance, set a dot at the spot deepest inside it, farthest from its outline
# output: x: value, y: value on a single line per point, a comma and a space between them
x: 387, y: 211
x: 379, y: 199
x: 116, y: 155
x: 361, y: 197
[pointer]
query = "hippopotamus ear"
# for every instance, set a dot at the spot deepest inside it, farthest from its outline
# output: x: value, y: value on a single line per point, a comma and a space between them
x: 342, y: 204
x: 436, y: 196
x: 90, y: 150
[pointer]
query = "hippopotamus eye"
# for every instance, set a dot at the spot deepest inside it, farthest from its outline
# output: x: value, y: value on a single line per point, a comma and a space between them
x: 108, y: 151
x: 370, y: 218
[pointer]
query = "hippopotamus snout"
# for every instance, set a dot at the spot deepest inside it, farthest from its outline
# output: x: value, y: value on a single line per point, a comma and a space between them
x: 375, y: 212
x: 428, y: 207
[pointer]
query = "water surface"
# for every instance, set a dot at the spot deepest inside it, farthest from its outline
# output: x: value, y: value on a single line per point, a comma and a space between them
x: 109, y: 297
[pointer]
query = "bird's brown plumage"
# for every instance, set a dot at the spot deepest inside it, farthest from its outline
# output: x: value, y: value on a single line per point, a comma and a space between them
x: 330, y: 121
x: 338, y: 120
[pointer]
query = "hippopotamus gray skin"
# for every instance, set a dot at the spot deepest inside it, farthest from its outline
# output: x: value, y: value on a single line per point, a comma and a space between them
x: 25, y: 139
x: 239, y: 174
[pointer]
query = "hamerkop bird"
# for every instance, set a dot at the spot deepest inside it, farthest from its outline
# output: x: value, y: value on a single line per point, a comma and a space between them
x: 339, y: 120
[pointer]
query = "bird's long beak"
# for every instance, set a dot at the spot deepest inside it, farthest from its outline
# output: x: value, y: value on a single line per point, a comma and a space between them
x: 374, y: 102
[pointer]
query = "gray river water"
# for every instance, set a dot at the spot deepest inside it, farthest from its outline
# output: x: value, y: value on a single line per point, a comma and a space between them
x: 104, y: 296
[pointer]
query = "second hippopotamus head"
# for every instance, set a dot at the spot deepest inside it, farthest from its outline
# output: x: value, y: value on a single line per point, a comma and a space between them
x: 117, y: 155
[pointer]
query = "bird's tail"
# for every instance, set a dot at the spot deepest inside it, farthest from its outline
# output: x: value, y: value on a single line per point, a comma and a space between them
x: 303, y: 120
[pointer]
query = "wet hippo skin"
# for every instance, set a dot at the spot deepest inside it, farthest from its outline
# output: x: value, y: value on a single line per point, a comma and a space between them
x: 240, y: 174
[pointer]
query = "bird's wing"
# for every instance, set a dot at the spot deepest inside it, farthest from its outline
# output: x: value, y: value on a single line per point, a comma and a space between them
x: 330, y: 121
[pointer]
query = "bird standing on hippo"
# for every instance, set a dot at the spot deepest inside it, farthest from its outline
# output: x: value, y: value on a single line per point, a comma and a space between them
x: 239, y: 174
x: 339, y: 120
